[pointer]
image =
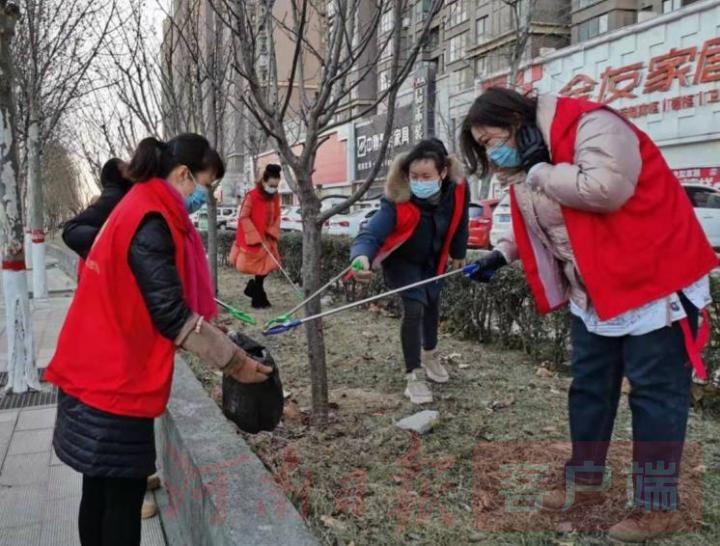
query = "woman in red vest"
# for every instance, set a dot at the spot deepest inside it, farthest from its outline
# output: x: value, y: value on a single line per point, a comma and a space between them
x: 420, y: 228
x: 144, y: 292
x: 600, y: 223
x: 255, y: 251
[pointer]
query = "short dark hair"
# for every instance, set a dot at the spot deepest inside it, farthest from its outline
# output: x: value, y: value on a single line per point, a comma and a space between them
x: 496, y: 107
x: 110, y: 174
x: 154, y: 158
x: 432, y: 149
x: 272, y: 170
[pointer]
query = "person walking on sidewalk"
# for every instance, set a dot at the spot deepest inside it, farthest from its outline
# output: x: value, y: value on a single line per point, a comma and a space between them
x: 79, y: 232
x: 421, y: 227
x: 145, y: 291
x: 600, y: 222
x: 255, y: 250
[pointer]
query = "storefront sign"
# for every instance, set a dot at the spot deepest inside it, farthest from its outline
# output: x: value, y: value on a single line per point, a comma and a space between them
x: 689, y: 67
x: 369, y: 139
x: 701, y: 175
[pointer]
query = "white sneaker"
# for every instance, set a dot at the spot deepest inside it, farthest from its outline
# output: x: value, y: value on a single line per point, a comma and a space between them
x: 435, y: 370
x: 417, y: 389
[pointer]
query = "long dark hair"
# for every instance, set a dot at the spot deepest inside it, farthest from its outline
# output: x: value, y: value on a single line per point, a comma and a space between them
x: 432, y: 149
x: 154, y: 158
x: 496, y: 107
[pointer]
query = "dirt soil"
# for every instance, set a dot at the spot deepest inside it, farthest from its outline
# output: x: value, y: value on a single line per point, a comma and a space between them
x: 475, y: 478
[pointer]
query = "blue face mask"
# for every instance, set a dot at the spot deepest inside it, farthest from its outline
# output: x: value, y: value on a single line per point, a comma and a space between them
x: 196, y: 199
x: 422, y: 189
x: 504, y: 156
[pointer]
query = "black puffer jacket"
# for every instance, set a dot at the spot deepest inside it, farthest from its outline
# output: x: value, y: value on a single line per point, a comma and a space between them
x: 79, y: 233
x: 97, y: 443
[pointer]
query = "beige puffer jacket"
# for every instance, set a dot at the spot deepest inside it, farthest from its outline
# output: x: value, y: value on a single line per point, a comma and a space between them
x: 603, y: 177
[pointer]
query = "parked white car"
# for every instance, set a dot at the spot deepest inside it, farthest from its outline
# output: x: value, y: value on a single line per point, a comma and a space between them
x: 349, y: 224
x: 706, y: 202
x: 290, y: 219
x: 225, y: 216
x: 501, y: 221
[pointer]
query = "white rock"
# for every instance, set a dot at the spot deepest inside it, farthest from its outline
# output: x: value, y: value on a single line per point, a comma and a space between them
x: 327, y: 300
x: 421, y: 422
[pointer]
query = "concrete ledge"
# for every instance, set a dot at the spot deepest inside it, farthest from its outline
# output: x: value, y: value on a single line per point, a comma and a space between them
x: 216, y: 491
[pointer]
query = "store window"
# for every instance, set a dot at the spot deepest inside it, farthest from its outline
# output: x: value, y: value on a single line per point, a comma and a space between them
x: 458, y: 47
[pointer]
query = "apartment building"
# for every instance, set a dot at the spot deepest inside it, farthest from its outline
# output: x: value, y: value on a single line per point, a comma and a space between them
x: 592, y: 18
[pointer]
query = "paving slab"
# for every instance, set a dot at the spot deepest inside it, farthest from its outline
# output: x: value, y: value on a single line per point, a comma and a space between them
x: 30, y: 441
x: 24, y: 535
x: 22, y: 505
x: 64, y: 482
x: 25, y: 469
x: 42, y: 418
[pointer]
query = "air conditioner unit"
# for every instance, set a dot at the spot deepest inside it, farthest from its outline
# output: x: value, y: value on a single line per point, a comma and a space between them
x: 646, y: 15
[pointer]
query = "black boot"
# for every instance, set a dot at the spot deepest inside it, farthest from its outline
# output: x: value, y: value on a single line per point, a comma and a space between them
x: 251, y: 289
x: 263, y: 299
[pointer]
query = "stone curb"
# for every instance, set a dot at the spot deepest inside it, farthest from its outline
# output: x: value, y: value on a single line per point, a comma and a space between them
x: 216, y: 491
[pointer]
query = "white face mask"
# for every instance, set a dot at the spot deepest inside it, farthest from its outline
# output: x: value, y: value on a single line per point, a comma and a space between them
x: 269, y: 189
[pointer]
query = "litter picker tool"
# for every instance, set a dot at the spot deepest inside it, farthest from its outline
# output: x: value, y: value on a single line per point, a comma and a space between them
x: 282, y: 319
x: 277, y: 263
x: 292, y: 324
x: 236, y: 313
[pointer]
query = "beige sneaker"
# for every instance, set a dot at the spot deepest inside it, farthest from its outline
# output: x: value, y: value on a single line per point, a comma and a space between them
x: 641, y: 526
x: 153, y: 482
x: 149, y: 509
x: 435, y: 370
x: 417, y: 389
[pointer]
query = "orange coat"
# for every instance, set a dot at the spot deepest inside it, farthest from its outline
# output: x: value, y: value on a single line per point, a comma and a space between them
x: 258, y: 223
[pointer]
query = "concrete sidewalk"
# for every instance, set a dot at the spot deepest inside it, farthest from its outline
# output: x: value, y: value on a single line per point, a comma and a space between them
x: 39, y: 495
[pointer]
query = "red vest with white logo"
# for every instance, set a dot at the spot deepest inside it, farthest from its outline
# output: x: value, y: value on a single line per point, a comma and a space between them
x: 109, y: 354
x: 407, y: 219
x: 648, y: 249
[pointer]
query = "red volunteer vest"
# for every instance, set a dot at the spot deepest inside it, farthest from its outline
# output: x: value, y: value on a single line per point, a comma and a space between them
x: 262, y: 212
x: 407, y: 219
x: 109, y: 354
x: 651, y: 247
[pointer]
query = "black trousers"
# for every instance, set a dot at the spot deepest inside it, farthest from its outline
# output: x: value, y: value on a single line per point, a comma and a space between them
x: 419, y: 327
x: 110, y: 511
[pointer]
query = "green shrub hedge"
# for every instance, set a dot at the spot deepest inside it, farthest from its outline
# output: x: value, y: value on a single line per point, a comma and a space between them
x: 501, y: 311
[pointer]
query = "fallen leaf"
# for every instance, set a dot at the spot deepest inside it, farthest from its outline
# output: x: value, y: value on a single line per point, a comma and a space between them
x: 333, y: 523
x: 543, y: 372
x: 565, y: 527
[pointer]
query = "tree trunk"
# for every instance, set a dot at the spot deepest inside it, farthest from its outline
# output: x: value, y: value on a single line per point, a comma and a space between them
x: 20, y: 358
x: 35, y: 219
x: 312, y: 254
x: 212, y: 237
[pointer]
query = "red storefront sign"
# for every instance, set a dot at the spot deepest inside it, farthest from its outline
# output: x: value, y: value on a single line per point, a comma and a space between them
x: 688, y: 67
x: 699, y: 175
x: 330, y: 161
